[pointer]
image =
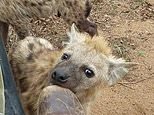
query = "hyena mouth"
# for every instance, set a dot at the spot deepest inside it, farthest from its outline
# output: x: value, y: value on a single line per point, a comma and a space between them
x: 64, y: 83
x: 57, y: 83
x: 64, y: 77
x: 64, y: 86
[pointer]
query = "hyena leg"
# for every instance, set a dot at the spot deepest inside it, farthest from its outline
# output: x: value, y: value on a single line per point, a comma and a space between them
x: 21, y: 30
x: 4, y: 31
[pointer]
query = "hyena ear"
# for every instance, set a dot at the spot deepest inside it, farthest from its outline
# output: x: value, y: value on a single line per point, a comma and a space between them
x: 75, y: 35
x: 88, y: 8
x: 118, y: 68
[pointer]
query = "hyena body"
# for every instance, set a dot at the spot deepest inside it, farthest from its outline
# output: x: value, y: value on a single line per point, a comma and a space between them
x: 19, y: 12
x: 83, y: 66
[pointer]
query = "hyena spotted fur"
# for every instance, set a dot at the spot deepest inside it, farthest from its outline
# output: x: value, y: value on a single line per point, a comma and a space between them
x: 84, y: 66
x: 18, y: 13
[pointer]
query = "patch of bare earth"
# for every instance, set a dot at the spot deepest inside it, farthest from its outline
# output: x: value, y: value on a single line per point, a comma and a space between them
x: 128, y: 25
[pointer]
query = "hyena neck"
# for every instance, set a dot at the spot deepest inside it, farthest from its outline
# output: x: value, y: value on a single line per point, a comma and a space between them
x: 86, y: 97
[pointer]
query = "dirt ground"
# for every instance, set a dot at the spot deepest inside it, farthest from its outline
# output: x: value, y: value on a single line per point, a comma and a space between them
x: 128, y: 25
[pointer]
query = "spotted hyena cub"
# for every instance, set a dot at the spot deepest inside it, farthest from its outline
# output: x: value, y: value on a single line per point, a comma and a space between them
x: 84, y: 66
x: 18, y: 13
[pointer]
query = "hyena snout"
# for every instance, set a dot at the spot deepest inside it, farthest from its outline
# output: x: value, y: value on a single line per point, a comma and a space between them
x: 59, y: 75
x: 64, y: 75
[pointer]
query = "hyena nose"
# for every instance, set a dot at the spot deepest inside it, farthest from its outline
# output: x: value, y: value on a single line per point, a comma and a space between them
x: 60, y: 76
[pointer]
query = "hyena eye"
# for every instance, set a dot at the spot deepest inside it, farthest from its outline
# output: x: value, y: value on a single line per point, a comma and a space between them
x: 65, y: 56
x: 88, y: 72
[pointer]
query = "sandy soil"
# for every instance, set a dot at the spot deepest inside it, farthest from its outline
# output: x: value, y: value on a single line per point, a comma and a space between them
x: 131, y: 34
x: 128, y: 25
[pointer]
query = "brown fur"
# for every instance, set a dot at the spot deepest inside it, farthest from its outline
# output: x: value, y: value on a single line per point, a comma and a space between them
x: 34, y: 61
x: 18, y: 13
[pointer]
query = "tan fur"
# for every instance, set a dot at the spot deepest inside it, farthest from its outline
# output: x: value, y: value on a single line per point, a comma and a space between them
x: 29, y: 72
x: 18, y: 13
x: 35, y: 64
x: 100, y: 45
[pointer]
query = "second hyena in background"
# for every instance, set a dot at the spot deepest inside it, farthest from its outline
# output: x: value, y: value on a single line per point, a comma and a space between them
x: 84, y: 67
x: 18, y: 14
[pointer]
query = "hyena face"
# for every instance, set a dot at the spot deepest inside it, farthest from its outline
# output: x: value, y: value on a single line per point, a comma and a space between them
x: 79, y: 68
x: 85, y: 63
